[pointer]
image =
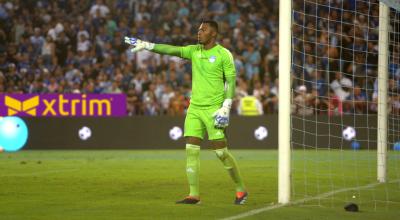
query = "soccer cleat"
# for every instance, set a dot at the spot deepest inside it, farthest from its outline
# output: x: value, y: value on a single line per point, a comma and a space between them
x: 189, y: 200
x: 241, y: 198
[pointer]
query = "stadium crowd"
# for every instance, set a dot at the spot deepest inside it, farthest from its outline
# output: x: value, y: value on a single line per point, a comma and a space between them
x: 335, y: 57
x: 71, y: 46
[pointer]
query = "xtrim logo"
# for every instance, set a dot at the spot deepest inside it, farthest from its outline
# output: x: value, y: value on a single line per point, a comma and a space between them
x: 15, y: 106
x: 63, y: 105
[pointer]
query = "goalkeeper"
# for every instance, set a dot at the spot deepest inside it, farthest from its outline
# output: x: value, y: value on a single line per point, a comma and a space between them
x: 213, y: 88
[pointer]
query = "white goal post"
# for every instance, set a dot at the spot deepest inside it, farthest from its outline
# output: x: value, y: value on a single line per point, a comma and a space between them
x: 285, y: 57
x: 382, y: 90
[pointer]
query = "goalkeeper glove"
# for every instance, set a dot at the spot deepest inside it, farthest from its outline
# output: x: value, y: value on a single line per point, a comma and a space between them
x: 138, y: 44
x: 221, y: 116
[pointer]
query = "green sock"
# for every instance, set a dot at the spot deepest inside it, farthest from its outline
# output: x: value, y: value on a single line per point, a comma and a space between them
x: 193, y: 168
x: 231, y: 166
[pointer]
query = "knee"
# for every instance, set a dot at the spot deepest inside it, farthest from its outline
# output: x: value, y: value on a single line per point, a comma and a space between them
x: 218, y: 144
x: 221, y: 153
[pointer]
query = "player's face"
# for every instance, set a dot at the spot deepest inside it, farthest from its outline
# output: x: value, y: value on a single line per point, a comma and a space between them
x: 205, y: 34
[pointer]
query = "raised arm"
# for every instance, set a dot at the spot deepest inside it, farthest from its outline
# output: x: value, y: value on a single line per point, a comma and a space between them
x: 165, y: 49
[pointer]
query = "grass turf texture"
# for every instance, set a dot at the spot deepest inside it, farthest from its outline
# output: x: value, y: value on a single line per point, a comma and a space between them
x: 145, y: 185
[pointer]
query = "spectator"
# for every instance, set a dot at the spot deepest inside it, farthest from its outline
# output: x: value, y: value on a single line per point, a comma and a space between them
x: 301, y: 103
x: 356, y: 102
x: 340, y: 86
x: 133, y: 102
x: 177, y: 104
x: 252, y: 58
x: 114, y: 88
x: 250, y: 106
x: 335, y: 105
x: 269, y: 101
x: 99, y: 9
x: 166, y: 98
x: 150, y: 106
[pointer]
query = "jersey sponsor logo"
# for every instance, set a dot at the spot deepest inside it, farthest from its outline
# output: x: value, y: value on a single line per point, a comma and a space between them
x: 218, y: 133
x: 212, y: 59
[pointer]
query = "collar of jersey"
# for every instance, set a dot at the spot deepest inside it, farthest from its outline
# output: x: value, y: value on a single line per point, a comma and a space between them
x: 202, y: 47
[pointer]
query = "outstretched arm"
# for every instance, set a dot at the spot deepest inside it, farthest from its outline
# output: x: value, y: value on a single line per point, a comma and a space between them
x: 168, y: 50
x: 139, y: 45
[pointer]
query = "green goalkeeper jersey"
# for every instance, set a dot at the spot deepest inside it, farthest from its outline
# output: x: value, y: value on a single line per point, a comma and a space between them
x: 210, y: 68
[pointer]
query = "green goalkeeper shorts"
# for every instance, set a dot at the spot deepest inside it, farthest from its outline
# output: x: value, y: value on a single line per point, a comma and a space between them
x: 198, y: 121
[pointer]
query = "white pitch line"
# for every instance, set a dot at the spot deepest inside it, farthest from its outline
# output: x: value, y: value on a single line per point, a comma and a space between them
x: 39, y: 173
x: 321, y: 196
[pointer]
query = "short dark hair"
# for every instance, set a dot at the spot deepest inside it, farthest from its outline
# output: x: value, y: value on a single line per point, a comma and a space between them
x: 212, y: 24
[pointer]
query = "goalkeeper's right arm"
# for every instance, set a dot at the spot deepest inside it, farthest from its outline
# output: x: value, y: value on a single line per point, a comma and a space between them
x: 139, y: 45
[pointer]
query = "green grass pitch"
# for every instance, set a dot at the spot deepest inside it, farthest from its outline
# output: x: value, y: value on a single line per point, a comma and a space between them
x: 136, y: 184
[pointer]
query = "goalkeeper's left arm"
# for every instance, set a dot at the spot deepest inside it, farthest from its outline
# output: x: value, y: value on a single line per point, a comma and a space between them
x: 139, y: 45
x: 221, y: 116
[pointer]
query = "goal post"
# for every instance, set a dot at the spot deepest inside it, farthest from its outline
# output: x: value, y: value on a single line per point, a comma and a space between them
x: 383, y: 48
x: 285, y: 50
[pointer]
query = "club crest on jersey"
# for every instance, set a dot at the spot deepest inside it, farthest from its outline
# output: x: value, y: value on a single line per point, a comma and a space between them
x: 212, y: 59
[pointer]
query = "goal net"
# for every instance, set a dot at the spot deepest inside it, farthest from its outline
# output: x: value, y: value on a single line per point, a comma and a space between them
x: 342, y: 133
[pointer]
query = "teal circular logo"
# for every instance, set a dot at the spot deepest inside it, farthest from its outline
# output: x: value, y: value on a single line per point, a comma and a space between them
x: 13, y: 133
